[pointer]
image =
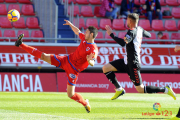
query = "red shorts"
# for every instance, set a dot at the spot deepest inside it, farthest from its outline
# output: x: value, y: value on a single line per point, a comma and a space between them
x: 64, y: 63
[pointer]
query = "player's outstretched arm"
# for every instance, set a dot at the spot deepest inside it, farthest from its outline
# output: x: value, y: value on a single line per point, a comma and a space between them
x: 110, y: 33
x: 74, y: 28
x: 146, y: 34
x: 177, y: 48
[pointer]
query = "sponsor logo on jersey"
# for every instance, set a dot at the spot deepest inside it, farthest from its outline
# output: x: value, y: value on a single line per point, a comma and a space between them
x: 72, y: 76
x: 87, y: 49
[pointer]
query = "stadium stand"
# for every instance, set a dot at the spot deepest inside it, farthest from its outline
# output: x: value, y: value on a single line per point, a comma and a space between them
x: 92, y: 22
x: 5, y: 23
x: 3, y: 9
x: 157, y: 25
x: 86, y: 11
x: 14, y: 6
x: 26, y: 35
x: 20, y: 23
x: 9, y: 33
x: 118, y: 24
x: 27, y: 10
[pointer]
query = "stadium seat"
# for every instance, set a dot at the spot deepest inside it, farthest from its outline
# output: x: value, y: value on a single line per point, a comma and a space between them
x: 142, y: 2
x: 86, y: 11
x: 32, y: 23
x: 25, y: 1
x: 9, y: 33
x: 104, y: 22
x: 76, y: 10
x: 26, y: 34
x: 69, y: 1
x: 37, y: 34
x: 92, y: 22
x: 179, y: 24
x: 3, y: 9
x: 118, y: 24
x: 145, y: 24
x: 170, y: 25
x: 1, y: 36
x: 172, y: 2
x: 96, y: 11
x: 163, y: 2
x: 109, y: 37
x: 122, y: 34
x: 1, y: 1
x: 99, y: 36
x: 176, y: 12
x: 153, y: 37
x: 163, y: 9
x: 137, y: 2
x: 11, y: 1
x: 179, y: 2
x: 157, y: 25
x: 27, y: 9
x: 175, y: 36
x: 81, y: 23
x: 20, y: 23
x: 118, y: 2
x: 167, y: 36
x: 5, y: 23
x: 14, y: 6
x: 95, y: 2
x: 82, y: 2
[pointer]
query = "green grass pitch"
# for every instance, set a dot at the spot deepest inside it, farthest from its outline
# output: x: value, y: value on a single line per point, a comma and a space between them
x: 57, y: 106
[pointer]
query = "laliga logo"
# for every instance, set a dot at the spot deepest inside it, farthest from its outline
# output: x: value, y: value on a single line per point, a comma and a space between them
x: 156, y: 106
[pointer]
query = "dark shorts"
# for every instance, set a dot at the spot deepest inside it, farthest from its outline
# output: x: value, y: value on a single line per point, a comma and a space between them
x: 133, y: 70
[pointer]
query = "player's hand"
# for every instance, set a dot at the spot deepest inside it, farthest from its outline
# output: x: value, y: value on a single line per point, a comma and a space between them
x: 108, y: 29
x: 176, y: 48
x: 67, y: 22
x: 125, y: 40
x: 90, y: 57
x: 158, y: 10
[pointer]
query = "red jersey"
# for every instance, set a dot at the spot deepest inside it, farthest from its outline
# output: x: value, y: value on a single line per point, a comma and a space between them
x: 78, y: 58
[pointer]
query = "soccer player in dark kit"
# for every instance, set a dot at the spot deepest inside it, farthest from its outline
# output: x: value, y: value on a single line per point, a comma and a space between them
x: 131, y: 64
x: 85, y: 54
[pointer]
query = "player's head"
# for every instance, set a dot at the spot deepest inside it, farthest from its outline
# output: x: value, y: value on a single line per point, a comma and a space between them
x: 132, y: 20
x: 160, y: 34
x: 91, y: 33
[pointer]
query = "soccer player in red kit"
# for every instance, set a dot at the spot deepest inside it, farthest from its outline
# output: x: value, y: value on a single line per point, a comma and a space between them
x: 84, y: 55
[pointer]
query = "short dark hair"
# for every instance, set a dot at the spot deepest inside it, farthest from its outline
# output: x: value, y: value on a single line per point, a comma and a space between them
x: 93, y: 30
x: 134, y: 17
x: 160, y: 33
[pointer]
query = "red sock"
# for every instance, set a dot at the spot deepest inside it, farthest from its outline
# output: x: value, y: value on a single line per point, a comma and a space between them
x: 78, y: 98
x: 33, y: 51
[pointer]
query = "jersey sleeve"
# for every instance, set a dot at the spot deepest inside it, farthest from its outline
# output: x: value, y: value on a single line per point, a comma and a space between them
x: 94, y: 51
x: 81, y: 36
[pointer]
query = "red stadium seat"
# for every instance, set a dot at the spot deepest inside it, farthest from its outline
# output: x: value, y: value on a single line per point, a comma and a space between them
x: 153, y: 36
x: 86, y: 11
x: 20, y: 23
x: 137, y: 2
x: 163, y: 2
x: 122, y: 34
x: 3, y: 9
x: 25, y: 1
x: 37, y: 34
x: 14, y: 6
x: 118, y: 2
x: 104, y: 22
x: 1, y: 36
x: 163, y: 9
x: 9, y: 33
x: 26, y: 34
x: 176, y: 12
x: 100, y: 36
x: 82, y: 2
x: 32, y: 23
x: 11, y: 1
x: 118, y: 24
x: 27, y: 10
x: 96, y: 11
x: 167, y: 38
x: 95, y: 2
x: 1, y: 1
x: 179, y: 24
x: 157, y: 25
x: 92, y: 22
x: 5, y: 23
x: 175, y: 36
x: 170, y: 25
x: 142, y: 1
x: 145, y: 24
x: 179, y: 2
x: 76, y: 10
x: 81, y: 23
x: 172, y: 2
x: 69, y: 1
x: 109, y: 37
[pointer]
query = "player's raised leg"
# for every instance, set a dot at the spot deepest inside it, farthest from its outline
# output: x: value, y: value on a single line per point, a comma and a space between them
x: 108, y: 71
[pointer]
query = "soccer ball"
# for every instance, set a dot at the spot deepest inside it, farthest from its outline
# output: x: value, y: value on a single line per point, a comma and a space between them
x: 13, y: 15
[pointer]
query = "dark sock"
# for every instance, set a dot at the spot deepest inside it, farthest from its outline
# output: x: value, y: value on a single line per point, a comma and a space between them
x: 178, y: 115
x: 112, y: 78
x: 153, y: 89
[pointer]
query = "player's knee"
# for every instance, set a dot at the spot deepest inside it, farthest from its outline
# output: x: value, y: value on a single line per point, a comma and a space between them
x: 69, y: 94
x: 104, y: 68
